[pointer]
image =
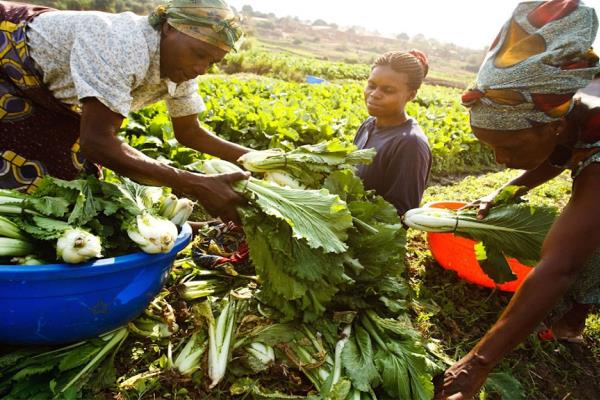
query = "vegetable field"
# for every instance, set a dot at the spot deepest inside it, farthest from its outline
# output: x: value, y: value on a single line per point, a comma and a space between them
x: 261, y: 113
x: 321, y: 294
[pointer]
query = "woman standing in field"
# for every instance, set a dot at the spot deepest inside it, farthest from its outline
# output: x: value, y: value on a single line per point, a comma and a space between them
x: 69, y: 78
x: 523, y: 106
x: 401, y: 166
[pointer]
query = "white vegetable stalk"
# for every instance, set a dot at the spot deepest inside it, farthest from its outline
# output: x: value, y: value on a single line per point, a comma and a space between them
x: 10, y: 247
x: 183, y: 210
x: 10, y: 229
x: 440, y: 220
x: 150, y: 328
x: 10, y: 204
x: 339, y: 347
x: 76, y: 246
x: 216, y: 166
x: 188, y: 359
x: 220, y: 337
x: 176, y: 210
x: 152, y: 195
x: 167, y: 206
x: 28, y: 260
x: 193, y: 290
x: 282, y: 179
x: 265, y: 354
x: 153, y: 234
x: 252, y: 160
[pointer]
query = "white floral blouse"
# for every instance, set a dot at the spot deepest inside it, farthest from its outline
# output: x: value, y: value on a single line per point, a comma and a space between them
x: 112, y: 57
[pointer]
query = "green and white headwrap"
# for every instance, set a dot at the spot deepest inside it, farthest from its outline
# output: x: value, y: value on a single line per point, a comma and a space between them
x: 211, y: 21
x: 540, y: 58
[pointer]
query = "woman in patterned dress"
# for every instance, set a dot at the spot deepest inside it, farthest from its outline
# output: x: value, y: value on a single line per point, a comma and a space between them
x: 69, y: 78
x: 524, y: 105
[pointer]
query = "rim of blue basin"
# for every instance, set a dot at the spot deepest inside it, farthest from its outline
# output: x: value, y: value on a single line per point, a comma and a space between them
x: 92, y: 268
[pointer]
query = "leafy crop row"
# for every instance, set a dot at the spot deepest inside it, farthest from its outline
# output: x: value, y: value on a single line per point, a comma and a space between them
x: 262, y: 113
x: 290, y: 67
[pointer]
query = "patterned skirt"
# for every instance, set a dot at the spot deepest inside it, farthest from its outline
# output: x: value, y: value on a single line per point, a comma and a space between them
x: 38, y: 134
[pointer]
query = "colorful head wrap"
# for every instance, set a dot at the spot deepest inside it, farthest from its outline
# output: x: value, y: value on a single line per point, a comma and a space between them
x: 211, y: 21
x: 540, y: 58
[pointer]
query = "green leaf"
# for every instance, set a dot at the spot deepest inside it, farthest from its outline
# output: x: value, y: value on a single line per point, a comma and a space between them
x: 77, y: 357
x: 357, y: 358
x: 51, y: 206
x: 493, y: 263
x: 510, y: 194
x: 340, y: 390
x: 296, y: 279
x: 13, y: 358
x: 394, y: 374
x: 507, y: 386
x: 317, y: 216
x: 85, y: 208
x: 516, y: 230
x: 36, y: 369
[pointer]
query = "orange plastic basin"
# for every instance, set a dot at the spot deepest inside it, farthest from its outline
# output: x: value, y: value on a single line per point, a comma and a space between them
x: 457, y: 254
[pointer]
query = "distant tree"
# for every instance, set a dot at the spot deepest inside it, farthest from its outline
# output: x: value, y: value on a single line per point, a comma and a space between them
x: 247, y: 10
x: 419, y: 37
x: 402, y: 36
x: 320, y: 22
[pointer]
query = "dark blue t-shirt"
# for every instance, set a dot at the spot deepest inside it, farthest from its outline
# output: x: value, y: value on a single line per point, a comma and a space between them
x: 400, y: 169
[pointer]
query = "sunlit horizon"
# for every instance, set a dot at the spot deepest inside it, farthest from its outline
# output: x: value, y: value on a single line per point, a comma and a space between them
x: 466, y: 23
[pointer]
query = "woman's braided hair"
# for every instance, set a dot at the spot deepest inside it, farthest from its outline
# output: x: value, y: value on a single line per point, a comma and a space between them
x: 413, y: 63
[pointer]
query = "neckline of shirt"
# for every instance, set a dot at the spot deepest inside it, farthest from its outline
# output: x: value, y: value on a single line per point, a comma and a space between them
x: 374, y: 129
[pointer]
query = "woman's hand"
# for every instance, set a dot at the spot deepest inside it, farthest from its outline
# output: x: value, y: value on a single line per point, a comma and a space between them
x: 216, y: 194
x: 462, y: 380
x: 483, y: 204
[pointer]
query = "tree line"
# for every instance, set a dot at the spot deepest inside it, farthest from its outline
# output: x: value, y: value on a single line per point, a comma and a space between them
x: 137, y: 6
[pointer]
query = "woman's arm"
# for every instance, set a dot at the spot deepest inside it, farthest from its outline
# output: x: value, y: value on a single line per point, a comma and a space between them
x: 529, y: 180
x: 574, y: 237
x: 189, y: 133
x: 99, y: 144
x: 535, y: 177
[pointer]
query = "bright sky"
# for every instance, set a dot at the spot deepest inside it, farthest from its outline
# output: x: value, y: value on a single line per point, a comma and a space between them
x: 467, y: 23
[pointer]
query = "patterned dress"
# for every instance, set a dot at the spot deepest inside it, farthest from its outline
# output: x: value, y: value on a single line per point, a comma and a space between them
x: 32, y: 122
x: 51, y: 60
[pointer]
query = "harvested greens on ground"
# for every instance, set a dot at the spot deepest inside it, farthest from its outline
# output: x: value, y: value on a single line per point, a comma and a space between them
x: 76, y: 221
x: 305, y: 301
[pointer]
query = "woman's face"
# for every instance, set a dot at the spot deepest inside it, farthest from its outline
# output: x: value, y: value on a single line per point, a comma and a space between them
x: 183, y: 58
x: 387, y: 92
x: 521, y: 149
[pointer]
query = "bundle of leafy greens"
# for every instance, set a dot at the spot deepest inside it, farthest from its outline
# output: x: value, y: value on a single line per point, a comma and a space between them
x: 301, y: 279
x: 296, y: 240
x: 305, y: 166
x: 511, y: 229
x: 75, y: 221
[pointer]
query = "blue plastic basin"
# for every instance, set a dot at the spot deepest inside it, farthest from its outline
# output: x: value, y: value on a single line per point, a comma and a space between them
x: 59, y: 303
